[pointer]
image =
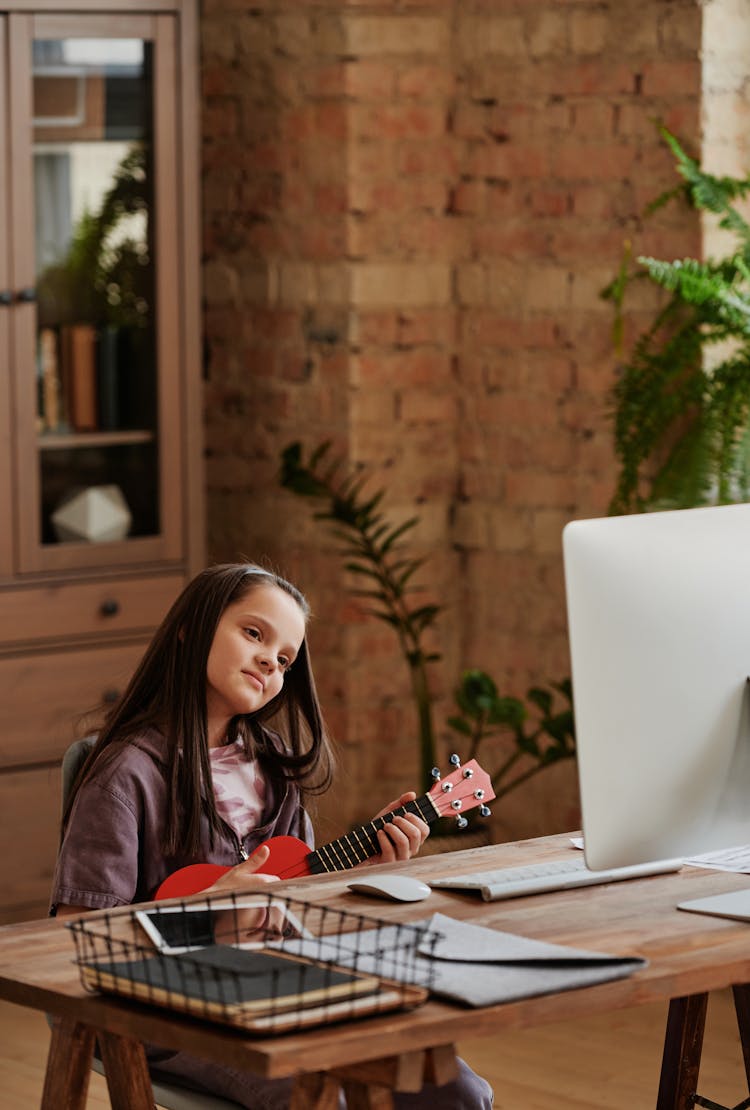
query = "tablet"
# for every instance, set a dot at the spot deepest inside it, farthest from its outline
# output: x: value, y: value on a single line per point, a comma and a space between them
x: 245, y: 923
x: 734, y: 904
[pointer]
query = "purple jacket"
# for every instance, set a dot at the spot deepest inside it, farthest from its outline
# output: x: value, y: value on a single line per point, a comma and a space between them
x: 112, y: 852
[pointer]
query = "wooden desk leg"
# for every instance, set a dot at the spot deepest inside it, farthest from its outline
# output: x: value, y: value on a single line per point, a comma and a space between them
x: 441, y: 1066
x: 681, y: 1059
x: 320, y: 1091
x: 316, y: 1091
x: 405, y: 1072
x: 370, y: 1086
x: 363, y: 1096
x: 126, y: 1072
x: 741, y: 994
x: 66, y: 1082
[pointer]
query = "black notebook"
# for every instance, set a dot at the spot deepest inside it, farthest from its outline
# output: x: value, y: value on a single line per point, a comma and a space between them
x: 224, y: 978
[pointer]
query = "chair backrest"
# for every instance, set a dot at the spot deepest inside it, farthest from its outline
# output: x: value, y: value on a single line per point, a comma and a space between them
x: 72, y: 761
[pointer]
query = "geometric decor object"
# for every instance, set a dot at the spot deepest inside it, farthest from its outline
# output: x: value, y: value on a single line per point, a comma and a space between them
x: 99, y: 514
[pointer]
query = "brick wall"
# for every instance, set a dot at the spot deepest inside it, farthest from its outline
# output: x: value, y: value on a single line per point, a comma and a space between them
x: 410, y: 209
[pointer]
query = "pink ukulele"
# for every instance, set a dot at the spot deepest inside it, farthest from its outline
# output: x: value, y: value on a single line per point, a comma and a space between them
x: 463, y: 789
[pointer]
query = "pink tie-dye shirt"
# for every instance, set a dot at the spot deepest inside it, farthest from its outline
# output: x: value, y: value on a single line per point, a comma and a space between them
x: 239, y: 788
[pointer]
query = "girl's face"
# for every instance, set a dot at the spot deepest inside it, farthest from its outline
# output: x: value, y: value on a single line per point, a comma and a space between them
x: 256, y: 640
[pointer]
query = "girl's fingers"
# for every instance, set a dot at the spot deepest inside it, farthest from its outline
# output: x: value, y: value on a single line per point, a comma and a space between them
x: 258, y: 858
x: 402, y: 838
x: 244, y: 875
x: 409, y: 796
x: 239, y: 878
x: 245, y: 872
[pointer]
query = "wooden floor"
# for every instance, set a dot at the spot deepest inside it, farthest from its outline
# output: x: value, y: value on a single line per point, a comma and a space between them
x: 609, y: 1063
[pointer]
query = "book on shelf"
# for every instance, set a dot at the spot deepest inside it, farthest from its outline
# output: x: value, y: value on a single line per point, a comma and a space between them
x: 108, y: 356
x: 50, y: 399
x: 79, y: 376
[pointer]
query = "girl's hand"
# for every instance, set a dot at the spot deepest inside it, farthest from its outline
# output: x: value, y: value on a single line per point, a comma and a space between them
x: 401, y: 838
x: 243, y: 876
x: 244, y: 923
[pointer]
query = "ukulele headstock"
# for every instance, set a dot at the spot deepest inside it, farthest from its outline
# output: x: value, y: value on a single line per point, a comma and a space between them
x: 462, y: 790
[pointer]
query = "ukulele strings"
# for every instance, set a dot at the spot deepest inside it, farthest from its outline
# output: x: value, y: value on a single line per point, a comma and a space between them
x: 329, y: 856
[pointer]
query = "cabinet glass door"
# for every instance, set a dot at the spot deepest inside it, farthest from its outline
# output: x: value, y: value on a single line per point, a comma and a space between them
x: 95, y: 339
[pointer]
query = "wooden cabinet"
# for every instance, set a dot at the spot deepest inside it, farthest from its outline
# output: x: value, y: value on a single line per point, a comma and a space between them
x: 101, y: 478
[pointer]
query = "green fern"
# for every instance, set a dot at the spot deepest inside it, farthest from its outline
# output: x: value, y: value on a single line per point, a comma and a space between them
x: 681, y: 426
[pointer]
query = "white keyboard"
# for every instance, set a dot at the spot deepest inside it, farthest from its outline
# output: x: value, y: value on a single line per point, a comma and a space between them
x: 541, y: 878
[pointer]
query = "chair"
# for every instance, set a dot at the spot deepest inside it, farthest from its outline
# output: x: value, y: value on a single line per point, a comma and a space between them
x: 165, y: 1095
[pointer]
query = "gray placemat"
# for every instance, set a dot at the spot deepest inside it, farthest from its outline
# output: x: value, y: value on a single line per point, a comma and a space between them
x: 476, y: 965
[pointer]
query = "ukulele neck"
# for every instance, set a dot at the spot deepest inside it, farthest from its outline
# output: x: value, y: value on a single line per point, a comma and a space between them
x: 362, y: 843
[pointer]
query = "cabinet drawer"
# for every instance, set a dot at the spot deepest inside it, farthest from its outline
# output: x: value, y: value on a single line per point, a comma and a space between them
x: 29, y: 835
x: 44, y: 694
x: 88, y: 608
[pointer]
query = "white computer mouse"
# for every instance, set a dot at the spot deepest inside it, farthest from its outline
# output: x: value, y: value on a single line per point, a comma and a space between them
x: 399, y: 888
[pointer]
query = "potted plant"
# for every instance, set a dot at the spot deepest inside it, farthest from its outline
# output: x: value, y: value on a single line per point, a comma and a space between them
x: 682, y: 399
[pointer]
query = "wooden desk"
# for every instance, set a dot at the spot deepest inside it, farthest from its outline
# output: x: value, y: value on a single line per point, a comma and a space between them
x: 689, y: 955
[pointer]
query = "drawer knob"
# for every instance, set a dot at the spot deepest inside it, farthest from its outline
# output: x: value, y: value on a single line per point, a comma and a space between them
x: 109, y: 608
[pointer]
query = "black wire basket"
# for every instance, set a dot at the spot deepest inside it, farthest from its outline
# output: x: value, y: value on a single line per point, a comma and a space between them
x: 264, y: 963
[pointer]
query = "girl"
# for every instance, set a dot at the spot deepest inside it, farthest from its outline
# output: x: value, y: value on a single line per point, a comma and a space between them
x: 187, y: 767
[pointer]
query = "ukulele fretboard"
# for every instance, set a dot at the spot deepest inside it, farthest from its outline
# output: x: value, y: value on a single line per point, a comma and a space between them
x: 362, y: 843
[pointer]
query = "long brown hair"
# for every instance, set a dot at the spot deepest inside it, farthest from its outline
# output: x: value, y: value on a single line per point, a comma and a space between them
x: 168, y: 692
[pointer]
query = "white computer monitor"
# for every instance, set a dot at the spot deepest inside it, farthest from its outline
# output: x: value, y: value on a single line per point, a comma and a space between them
x: 659, y: 627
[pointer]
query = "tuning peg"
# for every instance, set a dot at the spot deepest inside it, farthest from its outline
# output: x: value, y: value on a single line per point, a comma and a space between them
x: 457, y: 804
x: 455, y: 761
x: 435, y: 774
x: 479, y: 794
x: 446, y: 787
x: 461, y: 821
x: 468, y: 772
x: 485, y: 811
